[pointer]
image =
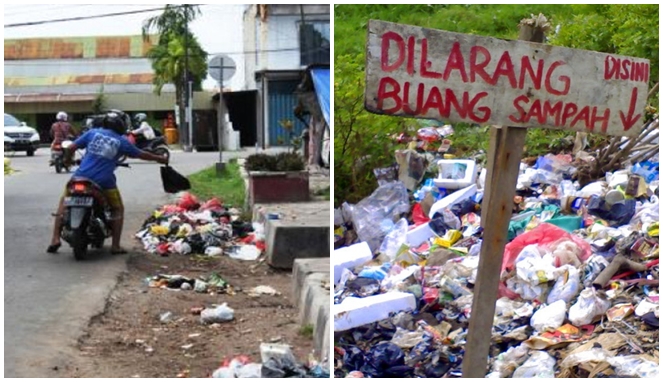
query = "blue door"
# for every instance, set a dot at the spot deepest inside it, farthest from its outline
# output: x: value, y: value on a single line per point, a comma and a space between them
x: 282, y: 103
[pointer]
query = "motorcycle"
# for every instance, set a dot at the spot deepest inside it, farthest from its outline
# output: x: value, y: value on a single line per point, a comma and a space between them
x: 87, y: 216
x: 155, y: 146
x: 58, y: 159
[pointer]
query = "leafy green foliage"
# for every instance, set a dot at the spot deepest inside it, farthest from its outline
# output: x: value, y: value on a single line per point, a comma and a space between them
x: 363, y: 141
x: 288, y: 161
x: 177, y: 45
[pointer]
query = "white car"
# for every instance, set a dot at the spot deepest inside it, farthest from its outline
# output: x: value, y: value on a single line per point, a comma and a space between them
x: 20, y: 137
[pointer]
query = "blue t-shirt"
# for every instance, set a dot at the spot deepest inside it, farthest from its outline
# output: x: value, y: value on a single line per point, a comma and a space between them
x: 104, y: 148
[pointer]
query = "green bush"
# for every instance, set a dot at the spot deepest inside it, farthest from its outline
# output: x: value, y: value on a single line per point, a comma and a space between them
x: 282, y: 162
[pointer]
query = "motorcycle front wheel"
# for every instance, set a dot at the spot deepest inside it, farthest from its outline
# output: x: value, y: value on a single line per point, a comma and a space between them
x: 162, y: 151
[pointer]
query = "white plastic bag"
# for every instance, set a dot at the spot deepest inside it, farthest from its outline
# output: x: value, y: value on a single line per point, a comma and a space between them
x: 588, y: 306
x: 591, y: 355
x: 550, y: 317
x: 221, y: 313
x: 539, y: 365
x: 567, y: 285
x: 633, y: 365
x: 505, y: 363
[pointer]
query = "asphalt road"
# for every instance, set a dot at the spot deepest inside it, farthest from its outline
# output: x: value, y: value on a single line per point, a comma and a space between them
x: 49, y: 299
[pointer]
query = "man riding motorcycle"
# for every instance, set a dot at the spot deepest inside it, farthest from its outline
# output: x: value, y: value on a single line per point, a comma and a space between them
x: 144, y: 133
x: 60, y: 132
x: 104, y: 146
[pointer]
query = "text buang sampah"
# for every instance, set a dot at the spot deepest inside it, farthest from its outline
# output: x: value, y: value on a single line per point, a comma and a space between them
x: 419, y: 98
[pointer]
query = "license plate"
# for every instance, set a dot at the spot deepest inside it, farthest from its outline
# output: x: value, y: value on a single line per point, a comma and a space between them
x: 78, y: 201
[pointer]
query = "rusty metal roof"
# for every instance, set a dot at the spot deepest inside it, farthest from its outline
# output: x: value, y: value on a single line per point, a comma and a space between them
x: 49, y: 97
x: 78, y: 47
x: 135, y: 78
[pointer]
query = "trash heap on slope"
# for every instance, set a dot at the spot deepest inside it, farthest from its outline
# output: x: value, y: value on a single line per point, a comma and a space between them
x: 189, y: 227
x: 578, y: 295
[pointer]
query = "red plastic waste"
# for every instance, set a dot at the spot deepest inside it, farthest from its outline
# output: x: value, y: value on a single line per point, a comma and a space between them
x: 188, y: 202
x: 418, y: 215
x: 213, y: 204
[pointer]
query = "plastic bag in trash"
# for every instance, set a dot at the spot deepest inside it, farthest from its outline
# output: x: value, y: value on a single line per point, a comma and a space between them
x: 245, y: 252
x: 386, y: 360
x: 634, y: 366
x: 395, y: 239
x: 406, y: 339
x: 505, y: 363
x: 567, y: 285
x: 539, y: 365
x: 541, y: 235
x: 596, y: 354
x: 221, y: 313
x: 385, y: 204
x: 550, y: 317
x: 588, y: 306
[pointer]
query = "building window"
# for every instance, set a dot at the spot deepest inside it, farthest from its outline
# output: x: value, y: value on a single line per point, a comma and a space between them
x: 314, y: 42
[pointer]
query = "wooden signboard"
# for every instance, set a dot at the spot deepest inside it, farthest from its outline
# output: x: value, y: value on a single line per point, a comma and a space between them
x: 426, y: 73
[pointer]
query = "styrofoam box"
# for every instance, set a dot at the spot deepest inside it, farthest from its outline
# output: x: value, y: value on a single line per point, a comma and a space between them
x: 348, y: 257
x: 354, y: 312
x: 450, y: 167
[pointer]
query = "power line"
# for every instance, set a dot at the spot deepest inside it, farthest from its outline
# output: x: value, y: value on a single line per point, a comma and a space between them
x: 88, y: 17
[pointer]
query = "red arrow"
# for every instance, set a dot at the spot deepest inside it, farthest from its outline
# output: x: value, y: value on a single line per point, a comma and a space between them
x: 630, y: 120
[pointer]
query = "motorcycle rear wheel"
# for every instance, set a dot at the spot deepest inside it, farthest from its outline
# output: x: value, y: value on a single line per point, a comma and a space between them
x: 58, y: 166
x: 79, y: 243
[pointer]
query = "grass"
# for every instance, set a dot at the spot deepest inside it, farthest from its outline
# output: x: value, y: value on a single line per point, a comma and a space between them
x: 323, y: 193
x: 306, y: 331
x: 229, y: 188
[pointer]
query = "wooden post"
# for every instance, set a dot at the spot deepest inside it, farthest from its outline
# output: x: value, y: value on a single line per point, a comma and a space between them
x: 506, y: 145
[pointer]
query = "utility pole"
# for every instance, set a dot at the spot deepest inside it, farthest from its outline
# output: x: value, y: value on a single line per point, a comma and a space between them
x: 221, y: 126
x: 188, y: 145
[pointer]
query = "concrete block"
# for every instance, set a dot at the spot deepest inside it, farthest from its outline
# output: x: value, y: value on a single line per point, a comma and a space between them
x: 313, y: 297
x: 354, y: 312
x: 305, y: 267
x: 287, y: 242
x: 349, y: 257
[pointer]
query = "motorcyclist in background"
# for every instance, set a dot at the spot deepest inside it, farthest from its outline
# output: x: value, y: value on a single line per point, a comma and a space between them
x: 61, y: 131
x: 144, y: 132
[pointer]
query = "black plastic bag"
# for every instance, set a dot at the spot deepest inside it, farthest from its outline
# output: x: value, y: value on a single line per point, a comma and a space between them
x: 386, y: 360
x: 173, y: 181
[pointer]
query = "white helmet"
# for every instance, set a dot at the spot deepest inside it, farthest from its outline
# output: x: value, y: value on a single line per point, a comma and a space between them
x: 61, y: 116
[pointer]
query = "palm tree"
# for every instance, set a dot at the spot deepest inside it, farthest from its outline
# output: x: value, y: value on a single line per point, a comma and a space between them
x: 170, y: 56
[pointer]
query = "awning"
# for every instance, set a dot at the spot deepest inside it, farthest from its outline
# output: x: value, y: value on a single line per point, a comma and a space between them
x: 321, y: 85
x: 31, y: 98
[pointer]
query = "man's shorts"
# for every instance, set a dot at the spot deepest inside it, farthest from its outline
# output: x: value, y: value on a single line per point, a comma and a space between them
x: 112, y: 195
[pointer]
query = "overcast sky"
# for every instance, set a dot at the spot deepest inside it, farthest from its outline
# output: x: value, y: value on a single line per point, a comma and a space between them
x: 218, y: 29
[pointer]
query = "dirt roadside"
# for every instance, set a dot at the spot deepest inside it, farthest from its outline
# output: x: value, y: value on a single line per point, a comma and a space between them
x: 129, y: 340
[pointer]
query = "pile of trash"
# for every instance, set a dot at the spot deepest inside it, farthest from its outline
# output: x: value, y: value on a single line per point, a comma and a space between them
x: 213, y: 283
x: 277, y: 362
x: 578, y: 295
x: 189, y: 227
